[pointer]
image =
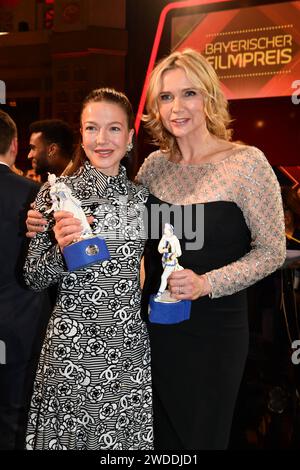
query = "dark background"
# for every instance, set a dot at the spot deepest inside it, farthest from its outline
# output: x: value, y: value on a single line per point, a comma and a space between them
x: 272, y: 124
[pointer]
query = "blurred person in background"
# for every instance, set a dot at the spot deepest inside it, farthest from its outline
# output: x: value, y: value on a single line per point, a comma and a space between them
x: 31, y: 174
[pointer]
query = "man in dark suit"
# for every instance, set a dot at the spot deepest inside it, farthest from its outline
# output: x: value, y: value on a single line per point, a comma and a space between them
x: 23, y: 313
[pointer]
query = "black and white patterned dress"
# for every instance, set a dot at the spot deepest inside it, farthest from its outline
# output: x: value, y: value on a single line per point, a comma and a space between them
x: 93, y: 385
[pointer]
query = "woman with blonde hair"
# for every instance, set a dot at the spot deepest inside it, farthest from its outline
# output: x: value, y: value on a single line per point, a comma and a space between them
x: 197, y: 365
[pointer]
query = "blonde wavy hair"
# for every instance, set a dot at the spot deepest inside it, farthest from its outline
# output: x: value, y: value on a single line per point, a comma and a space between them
x: 202, y: 75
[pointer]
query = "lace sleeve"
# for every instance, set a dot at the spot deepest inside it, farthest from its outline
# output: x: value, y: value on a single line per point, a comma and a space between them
x: 257, y: 193
x: 145, y: 173
x: 44, y: 263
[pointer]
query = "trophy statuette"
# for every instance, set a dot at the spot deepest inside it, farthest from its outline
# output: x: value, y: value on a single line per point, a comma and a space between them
x: 88, y: 249
x: 163, y: 308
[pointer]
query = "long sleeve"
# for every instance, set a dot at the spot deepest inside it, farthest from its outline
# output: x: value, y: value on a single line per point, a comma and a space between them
x: 256, y: 191
x: 44, y: 264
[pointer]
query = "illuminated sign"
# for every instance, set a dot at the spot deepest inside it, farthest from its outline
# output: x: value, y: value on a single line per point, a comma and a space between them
x: 255, y: 51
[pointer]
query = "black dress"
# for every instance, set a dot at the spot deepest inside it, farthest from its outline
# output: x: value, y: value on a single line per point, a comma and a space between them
x: 202, y: 359
x: 197, y: 365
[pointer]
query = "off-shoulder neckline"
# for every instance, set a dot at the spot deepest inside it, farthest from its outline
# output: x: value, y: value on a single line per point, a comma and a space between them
x: 240, y: 149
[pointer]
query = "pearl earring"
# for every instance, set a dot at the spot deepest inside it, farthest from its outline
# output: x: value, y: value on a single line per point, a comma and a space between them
x: 82, y: 146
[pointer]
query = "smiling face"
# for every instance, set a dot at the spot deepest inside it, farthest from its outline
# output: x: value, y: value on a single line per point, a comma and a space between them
x: 105, y: 135
x: 181, y: 105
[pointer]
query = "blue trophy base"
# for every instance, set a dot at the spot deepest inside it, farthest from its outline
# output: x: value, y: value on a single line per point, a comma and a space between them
x: 85, y: 252
x: 167, y: 313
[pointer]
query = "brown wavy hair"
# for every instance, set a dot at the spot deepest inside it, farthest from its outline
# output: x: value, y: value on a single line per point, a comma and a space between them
x: 109, y: 95
x: 291, y: 202
x: 202, y: 75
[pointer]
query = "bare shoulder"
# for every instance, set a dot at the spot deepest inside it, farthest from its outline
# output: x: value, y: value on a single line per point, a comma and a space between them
x: 249, y: 162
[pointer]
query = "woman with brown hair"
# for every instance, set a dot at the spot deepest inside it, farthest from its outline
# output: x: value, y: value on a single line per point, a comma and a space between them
x: 93, y: 385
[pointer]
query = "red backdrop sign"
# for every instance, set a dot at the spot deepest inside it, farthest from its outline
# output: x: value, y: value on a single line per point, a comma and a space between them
x: 255, y: 51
